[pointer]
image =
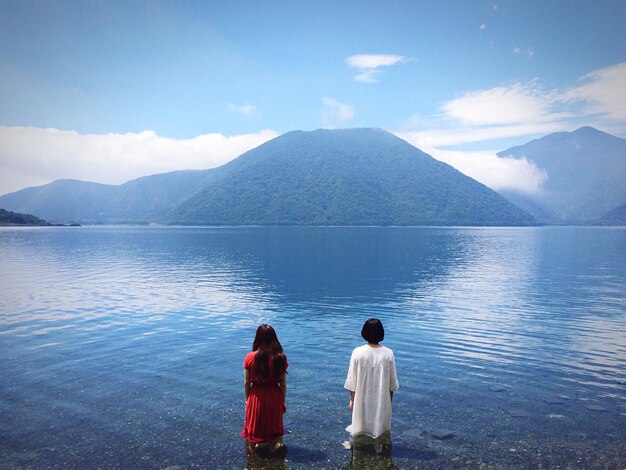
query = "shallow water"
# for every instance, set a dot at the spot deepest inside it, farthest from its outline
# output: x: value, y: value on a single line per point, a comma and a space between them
x: 123, y: 346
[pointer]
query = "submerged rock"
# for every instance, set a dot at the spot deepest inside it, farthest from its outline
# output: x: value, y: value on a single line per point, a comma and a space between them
x: 594, y: 407
x: 519, y: 414
x: 412, y: 434
x: 553, y: 401
x: 442, y: 434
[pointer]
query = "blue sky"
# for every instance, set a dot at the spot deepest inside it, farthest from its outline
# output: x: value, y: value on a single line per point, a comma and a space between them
x: 108, y: 91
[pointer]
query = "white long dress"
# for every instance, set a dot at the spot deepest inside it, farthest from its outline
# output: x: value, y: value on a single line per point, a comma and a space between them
x: 371, y: 376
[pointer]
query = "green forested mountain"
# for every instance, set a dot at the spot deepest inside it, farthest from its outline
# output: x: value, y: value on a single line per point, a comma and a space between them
x: 343, y: 177
x: 13, y: 218
x: 586, y: 172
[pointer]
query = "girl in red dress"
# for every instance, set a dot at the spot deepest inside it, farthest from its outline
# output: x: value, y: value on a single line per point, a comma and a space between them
x: 265, y: 386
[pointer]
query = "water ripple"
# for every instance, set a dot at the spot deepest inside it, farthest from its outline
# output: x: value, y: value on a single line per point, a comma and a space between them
x: 109, y: 332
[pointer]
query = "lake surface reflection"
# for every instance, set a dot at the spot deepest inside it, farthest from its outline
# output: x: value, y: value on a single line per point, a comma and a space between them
x: 123, y: 346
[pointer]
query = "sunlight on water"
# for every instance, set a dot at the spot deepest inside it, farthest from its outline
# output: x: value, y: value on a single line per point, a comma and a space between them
x: 123, y: 346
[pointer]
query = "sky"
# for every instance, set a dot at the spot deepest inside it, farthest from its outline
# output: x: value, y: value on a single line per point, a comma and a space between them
x: 108, y: 91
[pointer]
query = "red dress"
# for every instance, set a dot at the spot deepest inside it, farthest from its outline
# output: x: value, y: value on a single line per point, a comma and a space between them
x: 264, y: 406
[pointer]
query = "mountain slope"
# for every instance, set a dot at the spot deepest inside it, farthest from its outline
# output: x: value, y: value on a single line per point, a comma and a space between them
x: 616, y: 216
x: 343, y: 177
x: 86, y: 202
x: 586, y: 173
x: 62, y: 201
x: 13, y: 218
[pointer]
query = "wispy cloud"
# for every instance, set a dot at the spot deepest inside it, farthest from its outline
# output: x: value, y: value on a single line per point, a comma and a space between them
x: 528, y: 108
x: 602, y: 92
x: 517, y: 103
x: 512, y: 111
x: 528, y: 52
x: 244, y: 109
x: 335, y: 113
x: 30, y: 155
x: 368, y: 65
x: 455, y: 136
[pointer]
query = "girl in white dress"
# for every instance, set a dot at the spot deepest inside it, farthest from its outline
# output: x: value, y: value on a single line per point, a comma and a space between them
x: 371, y: 381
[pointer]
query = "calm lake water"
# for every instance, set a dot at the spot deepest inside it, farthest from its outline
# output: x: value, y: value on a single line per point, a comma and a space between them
x: 122, y: 347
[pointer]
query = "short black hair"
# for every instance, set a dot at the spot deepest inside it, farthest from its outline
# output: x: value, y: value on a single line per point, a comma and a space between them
x: 373, y: 331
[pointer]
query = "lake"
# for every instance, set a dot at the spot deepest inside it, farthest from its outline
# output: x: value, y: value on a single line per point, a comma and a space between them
x: 122, y: 347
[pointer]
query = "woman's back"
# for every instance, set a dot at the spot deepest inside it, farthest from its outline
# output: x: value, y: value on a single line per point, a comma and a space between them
x: 257, y: 376
x: 371, y: 376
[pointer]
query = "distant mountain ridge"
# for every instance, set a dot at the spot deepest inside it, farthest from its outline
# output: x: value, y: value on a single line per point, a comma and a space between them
x: 586, y: 172
x: 616, y: 216
x: 139, y: 200
x: 323, y: 177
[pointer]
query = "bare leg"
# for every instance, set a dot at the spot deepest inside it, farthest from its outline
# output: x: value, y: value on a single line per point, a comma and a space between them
x: 276, y: 444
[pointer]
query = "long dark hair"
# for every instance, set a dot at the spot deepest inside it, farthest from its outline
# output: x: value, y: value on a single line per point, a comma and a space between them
x: 268, y: 349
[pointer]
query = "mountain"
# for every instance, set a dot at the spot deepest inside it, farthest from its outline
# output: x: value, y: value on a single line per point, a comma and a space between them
x: 343, y: 177
x: 61, y: 200
x: 144, y: 198
x: 13, y: 218
x: 586, y: 172
x: 616, y: 216
x: 138, y: 200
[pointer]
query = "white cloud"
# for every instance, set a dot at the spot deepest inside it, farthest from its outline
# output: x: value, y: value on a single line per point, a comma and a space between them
x: 335, y: 113
x: 603, y: 92
x: 518, y: 103
x: 368, y: 76
x: 373, y: 61
x: 451, y: 136
x: 31, y: 156
x: 368, y: 65
x: 245, y: 109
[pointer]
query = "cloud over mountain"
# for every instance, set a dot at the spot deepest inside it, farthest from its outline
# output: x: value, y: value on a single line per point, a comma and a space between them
x: 31, y: 156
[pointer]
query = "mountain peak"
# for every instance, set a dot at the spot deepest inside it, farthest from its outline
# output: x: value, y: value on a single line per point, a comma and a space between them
x: 345, y: 132
x: 588, y: 131
x: 586, y: 170
x: 585, y: 130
